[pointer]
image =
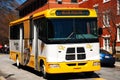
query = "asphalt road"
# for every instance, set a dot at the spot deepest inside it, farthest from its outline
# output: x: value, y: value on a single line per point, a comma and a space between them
x: 9, y: 71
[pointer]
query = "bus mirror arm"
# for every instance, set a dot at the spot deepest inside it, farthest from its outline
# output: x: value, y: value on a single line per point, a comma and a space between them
x: 100, y: 31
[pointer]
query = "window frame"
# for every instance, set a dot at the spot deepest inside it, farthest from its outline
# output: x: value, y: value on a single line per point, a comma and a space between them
x: 106, y: 43
x: 105, y: 1
x: 74, y: 1
x: 118, y: 33
x: 118, y: 7
x: 42, y: 35
x: 15, y: 31
x: 106, y: 20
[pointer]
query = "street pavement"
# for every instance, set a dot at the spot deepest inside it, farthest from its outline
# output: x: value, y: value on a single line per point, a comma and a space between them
x: 117, y: 65
x: 2, y: 78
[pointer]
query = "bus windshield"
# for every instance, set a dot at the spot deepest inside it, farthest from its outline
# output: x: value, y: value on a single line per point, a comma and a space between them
x: 72, y: 29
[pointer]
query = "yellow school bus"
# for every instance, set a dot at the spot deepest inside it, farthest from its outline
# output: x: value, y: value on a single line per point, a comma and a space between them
x: 57, y: 40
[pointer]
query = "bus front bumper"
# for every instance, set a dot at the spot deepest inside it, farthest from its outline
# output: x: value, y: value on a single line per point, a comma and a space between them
x: 72, y: 67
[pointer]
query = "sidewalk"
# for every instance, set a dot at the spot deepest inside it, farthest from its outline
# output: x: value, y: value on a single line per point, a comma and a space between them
x: 117, y: 64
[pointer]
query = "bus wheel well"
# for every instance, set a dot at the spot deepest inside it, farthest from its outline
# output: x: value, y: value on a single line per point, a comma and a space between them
x: 41, y: 62
x: 43, y: 69
x: 16, y: 56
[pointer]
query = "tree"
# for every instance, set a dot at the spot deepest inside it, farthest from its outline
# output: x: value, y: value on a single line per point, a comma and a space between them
x: 108, y: 17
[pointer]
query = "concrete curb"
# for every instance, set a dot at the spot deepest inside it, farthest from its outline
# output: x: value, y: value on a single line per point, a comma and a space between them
x: 2, y: 78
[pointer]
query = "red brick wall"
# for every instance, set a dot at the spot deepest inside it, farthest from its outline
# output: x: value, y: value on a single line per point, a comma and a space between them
x: 65, y: 3
x: 102, y: 7
x: 54, y: 4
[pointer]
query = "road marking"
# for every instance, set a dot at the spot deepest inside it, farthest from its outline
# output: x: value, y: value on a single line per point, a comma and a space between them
x: 99, y: 79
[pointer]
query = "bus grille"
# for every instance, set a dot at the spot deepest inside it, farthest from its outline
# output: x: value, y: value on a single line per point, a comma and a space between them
x: 75, y: 53
x: 76, y: 64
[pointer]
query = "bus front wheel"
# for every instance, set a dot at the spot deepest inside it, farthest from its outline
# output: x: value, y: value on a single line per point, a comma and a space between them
x: 43, y: 70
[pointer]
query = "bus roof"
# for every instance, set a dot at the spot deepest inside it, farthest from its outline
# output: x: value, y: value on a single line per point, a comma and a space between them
x: 18, y: 21
x: 60, y: 13
x: 51, y: 13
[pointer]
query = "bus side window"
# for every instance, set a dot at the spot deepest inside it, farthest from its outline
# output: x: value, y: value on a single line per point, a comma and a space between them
x: 31, y: 31
x: 42, y: 28
x: 37, y: 23
x: 15, y: 31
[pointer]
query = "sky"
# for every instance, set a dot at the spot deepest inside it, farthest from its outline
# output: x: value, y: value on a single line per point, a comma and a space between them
x: 20, y: 1
x: 7, y: 5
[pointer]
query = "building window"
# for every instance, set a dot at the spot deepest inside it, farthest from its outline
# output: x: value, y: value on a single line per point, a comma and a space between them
x: 118, y: 7
x: 96, y: 8
x: 104, y: 1
x: 106, y: 20
x: 106, y: 43
x: 74, y: 1
x: 118, y: 33
x: 84, y: 0
x: 15, y: 31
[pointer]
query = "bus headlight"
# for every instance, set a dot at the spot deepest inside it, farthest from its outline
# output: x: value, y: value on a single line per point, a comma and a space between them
x: 54, y: 65
x: 96, y: 63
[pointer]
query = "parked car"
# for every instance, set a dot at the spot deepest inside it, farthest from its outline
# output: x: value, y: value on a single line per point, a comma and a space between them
x: 106, y: 58
x: 1, y: 48
x: 6, y: 49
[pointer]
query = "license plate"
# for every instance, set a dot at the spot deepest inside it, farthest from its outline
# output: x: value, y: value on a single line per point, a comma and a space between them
x: 107, y: 57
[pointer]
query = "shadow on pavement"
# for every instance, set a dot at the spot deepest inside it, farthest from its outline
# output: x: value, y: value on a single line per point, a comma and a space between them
x: 9, y: 75
x: 68, y: 76
x: 29, y: 69
x: 72, y: 76
x: 107, y: 65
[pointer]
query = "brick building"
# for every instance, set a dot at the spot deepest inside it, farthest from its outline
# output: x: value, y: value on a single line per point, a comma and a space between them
x: 108, y: 16
x: 108, y: 19
x: 32, y: 6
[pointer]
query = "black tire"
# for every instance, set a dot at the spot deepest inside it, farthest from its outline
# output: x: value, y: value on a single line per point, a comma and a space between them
x: 17, y: 63
x: 44, y: 74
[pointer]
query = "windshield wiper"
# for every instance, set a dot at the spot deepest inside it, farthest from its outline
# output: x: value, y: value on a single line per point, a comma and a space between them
x: 70, y: 34
x: 85, y: 38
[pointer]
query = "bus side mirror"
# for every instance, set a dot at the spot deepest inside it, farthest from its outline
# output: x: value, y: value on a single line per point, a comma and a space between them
x: 100, y: 31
